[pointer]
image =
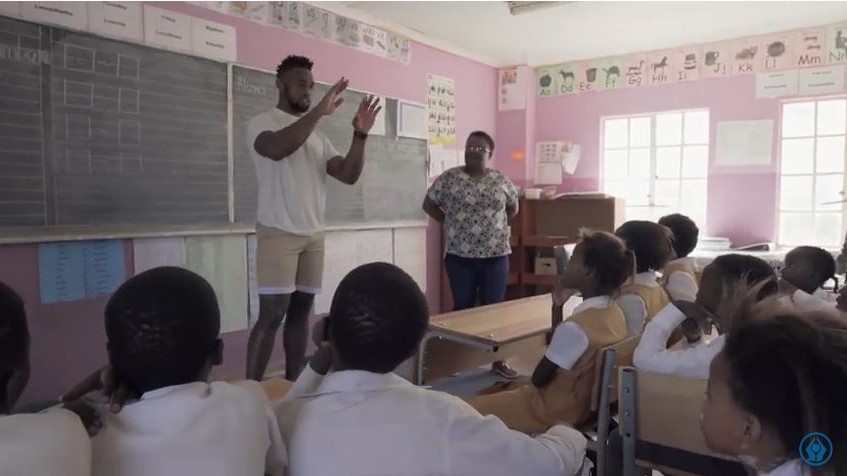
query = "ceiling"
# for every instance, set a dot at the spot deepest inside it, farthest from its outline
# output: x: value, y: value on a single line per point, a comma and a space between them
x: 487, y: 32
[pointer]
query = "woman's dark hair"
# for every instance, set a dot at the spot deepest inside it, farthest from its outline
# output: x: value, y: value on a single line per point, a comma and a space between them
x: 484, y: 136
x: 685, y: 233
x: 790, y: 370
x: 650, y: 242
x: 608, y: 256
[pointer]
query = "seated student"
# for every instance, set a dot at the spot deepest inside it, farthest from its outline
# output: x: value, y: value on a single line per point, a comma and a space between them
x: 806, y: 270
x: 51, y: 442
x: 720, y: 279
x: 643, y: 297
x: 562, y: 382
x: 782, y: 375
x: 680, y: 277
x: 163, y: 330
x: 362, y: 419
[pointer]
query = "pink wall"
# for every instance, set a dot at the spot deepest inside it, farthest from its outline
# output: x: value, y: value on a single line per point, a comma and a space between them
x: 741, y: 201
x: 68, y: 340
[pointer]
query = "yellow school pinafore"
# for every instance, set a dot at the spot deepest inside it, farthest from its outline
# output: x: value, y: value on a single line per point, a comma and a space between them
x: 567, y: 398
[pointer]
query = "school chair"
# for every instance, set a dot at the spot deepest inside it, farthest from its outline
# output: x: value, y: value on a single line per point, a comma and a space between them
x: 660, y: 426
x: 604, y: 398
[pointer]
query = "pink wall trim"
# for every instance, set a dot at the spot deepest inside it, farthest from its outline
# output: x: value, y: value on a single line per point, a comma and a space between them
x: 741, y: 200
x: 68, y: 339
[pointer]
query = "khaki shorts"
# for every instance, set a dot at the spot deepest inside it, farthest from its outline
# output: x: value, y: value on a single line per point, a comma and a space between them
x: 286, y: 262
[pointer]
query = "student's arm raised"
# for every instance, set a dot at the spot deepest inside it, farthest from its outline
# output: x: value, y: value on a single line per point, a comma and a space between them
x: 277, y: 145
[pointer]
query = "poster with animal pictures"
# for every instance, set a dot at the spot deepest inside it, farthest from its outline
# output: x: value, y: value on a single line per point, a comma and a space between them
x: 347, y: 32
x: 836, y: 44
x: 317, y: 23
x: 381, y: 43
x: 659, y: 69
x: 286, y: 15
x: 809, y: 48
x: 368, y: 38
x: 746, y: 55
x: 545, y: 79
x: 253, y: 11
x: 778, y: 52
x: 587, y: 76
x: 686, y: 63
x: 441, y: 102
x: 398, y: 48
x: 564, y: 79
x: 635, y: 71
x: 609, y: 72
x: 717, y: 60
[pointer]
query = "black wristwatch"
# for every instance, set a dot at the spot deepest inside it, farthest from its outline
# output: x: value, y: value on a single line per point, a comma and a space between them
x: 360, y: 135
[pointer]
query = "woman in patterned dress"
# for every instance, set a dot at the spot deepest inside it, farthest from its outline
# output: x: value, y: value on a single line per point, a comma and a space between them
x: 475, y: 203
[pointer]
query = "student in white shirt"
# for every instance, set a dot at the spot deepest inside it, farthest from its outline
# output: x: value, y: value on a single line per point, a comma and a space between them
x: 643, y: 298
x: 52, y: 442
x: 720, y: 280
x: 806, y: 270
x: 680, y: 276
x: 163, y: 330
x: 563, y: 380
x: 781, y: 376
x: 360, y: 419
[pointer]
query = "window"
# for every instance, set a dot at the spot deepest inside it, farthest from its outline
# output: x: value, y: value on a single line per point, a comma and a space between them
x: 658, y: 164
x: 811, y: 176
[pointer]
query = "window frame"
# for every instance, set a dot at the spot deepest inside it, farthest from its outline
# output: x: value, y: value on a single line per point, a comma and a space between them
x: 814, y: 174
x: 652, y: 206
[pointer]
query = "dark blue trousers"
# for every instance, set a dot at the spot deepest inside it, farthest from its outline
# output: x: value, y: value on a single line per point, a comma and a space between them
x: 477, y: 279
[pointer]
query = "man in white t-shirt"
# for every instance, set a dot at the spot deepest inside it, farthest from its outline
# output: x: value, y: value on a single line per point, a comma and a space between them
x: 292, y: 161
x: 50, y: 442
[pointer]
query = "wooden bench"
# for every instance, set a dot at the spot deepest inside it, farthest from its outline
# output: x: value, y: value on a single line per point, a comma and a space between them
x: 463, y: 340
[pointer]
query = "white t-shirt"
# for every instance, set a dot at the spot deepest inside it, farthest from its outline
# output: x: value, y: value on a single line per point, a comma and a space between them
x: 52, y: 442
x: 292, y: 191
x: 217, y: 429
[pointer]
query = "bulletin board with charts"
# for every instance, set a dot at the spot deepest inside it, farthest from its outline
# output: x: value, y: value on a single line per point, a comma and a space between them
x: 441, y: 105
x: 805, y: 61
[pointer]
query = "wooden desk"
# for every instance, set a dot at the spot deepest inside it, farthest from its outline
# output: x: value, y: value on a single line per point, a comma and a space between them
x: 462, y: 340
x: 276, y: 388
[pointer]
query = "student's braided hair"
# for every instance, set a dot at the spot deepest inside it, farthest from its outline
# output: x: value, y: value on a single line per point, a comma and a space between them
x: 790, y: 370
x: 608, y: 256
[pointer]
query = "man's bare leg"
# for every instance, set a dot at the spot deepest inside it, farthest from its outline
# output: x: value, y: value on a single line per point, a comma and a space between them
x: 295, y: 333
x: 272, y: 309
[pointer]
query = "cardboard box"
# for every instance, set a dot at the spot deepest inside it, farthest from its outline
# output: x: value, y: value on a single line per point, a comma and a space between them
x: 545, y: 266
x: 565, y: 216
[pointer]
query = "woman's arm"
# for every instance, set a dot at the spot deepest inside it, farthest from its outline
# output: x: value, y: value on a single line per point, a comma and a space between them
x: 433, y: 210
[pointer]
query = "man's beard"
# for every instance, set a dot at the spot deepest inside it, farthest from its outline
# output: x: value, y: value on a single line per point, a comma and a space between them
x: 297, y: 106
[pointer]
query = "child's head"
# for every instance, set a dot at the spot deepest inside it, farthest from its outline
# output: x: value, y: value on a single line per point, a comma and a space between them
x: 722, y: 276
x: 780, y: 376
x: 599, y: 265
x: 808, y: 268
x: 685, y: 233
x: 649, y: 241
x: 162, y: 328
x: 377, y: 319
x: 14, y: 348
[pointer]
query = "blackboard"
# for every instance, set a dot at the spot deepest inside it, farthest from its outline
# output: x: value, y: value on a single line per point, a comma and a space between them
x: 393, y: 182
x: 96, y: 131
